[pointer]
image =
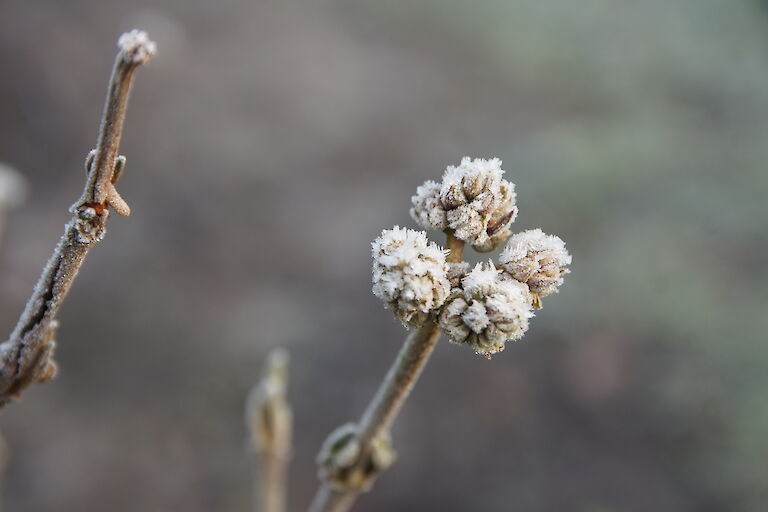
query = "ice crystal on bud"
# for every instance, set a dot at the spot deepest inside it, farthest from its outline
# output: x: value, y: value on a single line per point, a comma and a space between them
x: 409, y: 274
x: 473, y: 200
x: 487, y: 310
x: 427, y: 210
x: 537, y: 259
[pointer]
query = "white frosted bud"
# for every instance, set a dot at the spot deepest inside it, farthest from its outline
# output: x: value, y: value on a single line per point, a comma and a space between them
x: 410, y: 274
x: 487, y: 310
x: 537, y: 259
x: 473, y: 200
x: 427, y: 209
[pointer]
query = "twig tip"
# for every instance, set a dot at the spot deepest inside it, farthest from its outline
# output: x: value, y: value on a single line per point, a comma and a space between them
x: 136, y: 47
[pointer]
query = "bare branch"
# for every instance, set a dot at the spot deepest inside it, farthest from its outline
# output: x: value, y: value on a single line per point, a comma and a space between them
x: 26, y: 357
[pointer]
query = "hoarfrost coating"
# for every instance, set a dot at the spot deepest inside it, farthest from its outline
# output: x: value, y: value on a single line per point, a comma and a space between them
x: 410, y: 274
x: 537, y: 259
x: 488, y: 310
x: 473, y: 200
x: 137, y: 47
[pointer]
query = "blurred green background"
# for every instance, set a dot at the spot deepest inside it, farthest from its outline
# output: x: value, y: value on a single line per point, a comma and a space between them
x: 270, y: 142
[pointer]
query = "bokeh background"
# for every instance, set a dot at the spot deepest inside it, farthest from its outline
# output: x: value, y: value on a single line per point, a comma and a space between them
x: 269, y: 143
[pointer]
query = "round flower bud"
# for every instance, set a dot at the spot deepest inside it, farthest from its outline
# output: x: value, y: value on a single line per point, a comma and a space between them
x: 409, y: 274
x: 473, y: 200
x: 488, y: 310
x: 537, y: 259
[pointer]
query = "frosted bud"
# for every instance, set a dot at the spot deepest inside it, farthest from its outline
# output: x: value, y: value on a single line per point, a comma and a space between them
x: 473, y: 200
x: 537, y: 259
x: 338, y: 457
x: 409, y: 274
x: 427, y: 209
x: 487, y: 310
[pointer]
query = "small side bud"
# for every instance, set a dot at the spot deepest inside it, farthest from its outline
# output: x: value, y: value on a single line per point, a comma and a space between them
x: 340, y: 452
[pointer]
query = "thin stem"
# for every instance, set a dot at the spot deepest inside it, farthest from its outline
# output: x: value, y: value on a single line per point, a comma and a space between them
x: 389, y: 399
x: 269, y: 420
x: 398, y: 383
x: 455, y: 246
x: 26, y: 356
x: 329, y: 499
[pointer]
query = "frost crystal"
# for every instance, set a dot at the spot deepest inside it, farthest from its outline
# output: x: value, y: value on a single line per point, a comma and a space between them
x: 137, y: 47
x: 488, y: 310
x: 473, y: 200
x: 409, y: 274
x: 537, y: 259
x: 427, y: 210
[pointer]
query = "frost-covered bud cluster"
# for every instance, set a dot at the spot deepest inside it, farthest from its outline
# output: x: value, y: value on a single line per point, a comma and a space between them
x: 473, y: 200
x: 409, y: 274
x: 482, y: 307
x: 537, y: 259
x: 487, y: 310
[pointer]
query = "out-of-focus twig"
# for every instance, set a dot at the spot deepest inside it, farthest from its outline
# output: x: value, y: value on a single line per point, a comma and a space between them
x: 12, y: 192
x: 26, y: 357
x: 269, y: 420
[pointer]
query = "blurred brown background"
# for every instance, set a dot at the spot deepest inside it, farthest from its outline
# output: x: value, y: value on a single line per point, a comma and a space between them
x: 270, y: 142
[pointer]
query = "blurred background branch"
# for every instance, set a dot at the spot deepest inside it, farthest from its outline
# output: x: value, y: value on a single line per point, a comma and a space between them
x: 270, y: 424
x: 12, y: 193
